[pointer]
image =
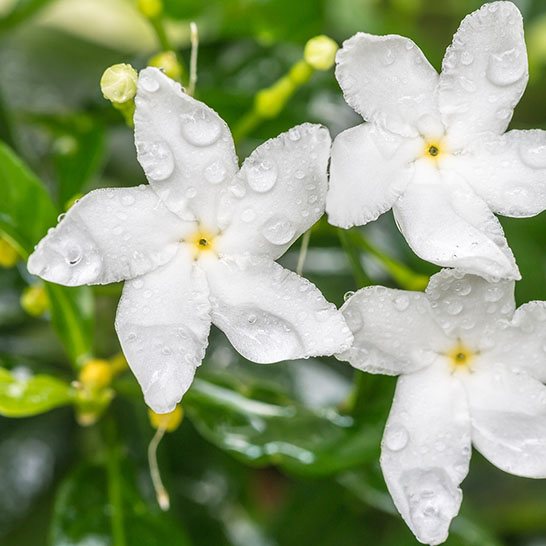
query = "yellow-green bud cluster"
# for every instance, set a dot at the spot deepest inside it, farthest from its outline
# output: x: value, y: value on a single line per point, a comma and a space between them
x: 167, y: 421
x: 168, y: 61
x: 320, y: 52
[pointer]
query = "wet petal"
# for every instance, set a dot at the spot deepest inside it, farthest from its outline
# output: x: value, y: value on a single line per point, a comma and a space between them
x: 426, y: 451
x: 163, y: 322
x: 521, y: 344
x: 271, y: 314
x: 184, y: 147
x: 387, y: 80
x: 369, y: 170
x: 107, y: 236
x: 484, y: 72
x: 508, y: 171
x: 471, y: 308
x: 278, y: 194
x: 508, y: 414
x: 394, y: 331
x: 447, y: 224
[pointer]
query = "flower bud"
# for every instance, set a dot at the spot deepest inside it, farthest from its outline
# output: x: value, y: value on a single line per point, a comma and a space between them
x: 168, y: 421
x: 269, y: 102
x: 119, y: 83
x: 150, y: 8
x: 169, y: 63
x: 320, y: 52
x: 96, y: 374
x: 34, y: 300
x: 8, y: 253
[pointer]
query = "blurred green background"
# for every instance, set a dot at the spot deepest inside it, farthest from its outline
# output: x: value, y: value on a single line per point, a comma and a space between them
x: 285, y: 454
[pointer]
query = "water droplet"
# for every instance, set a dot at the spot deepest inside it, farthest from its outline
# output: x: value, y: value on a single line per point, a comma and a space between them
x: 401, y: 302
x: 191, y: 192
x: 73, y: 255
x: 237, y: 190
x: 466, y: 58
x: 251, y: 319
x: 396, y: 437
x: 467, y: 85
x: 61, y: 217
x: 533, y: 156
x: 200, y: 128
x: 248, y: 215
x: 454, y: 307
x: 388, y: 57
x: 294, y: 134
x: 215, y: 173
x: 148, y: 82
x: 262, y: 175
x: 353, y: 318
x: 138, y: 283
x: 156, y: 160
x: 127, y: 200
x: 278, y: 230
x: 347, y: 295
x: 506, y: 68
x: 131, y: 337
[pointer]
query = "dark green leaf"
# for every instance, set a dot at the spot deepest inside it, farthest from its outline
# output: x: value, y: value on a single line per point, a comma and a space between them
x: 23, y: 397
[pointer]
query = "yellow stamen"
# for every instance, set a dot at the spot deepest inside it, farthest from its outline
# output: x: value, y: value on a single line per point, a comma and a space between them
x: 433, y: 149
x: 201, y: 241
x: 461, y: 357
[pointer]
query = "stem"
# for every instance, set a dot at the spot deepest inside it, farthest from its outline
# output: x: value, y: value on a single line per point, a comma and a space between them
x: 193, y: 58
x: 160, y: 491
x: 353, y: 255
x: 157, y: 24
x: 115, y: 499
x: 246, y: 125
x: 303, y: 251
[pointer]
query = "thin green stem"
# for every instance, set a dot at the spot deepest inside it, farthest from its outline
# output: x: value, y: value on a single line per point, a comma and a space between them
x: 353, y: 256
x: 303, y: 251
x: 159, y: 28
x: 246, y: 125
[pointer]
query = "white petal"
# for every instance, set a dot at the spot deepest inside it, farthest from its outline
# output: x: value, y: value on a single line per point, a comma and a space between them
x: 369, y: 170
x: 394, y: 331
x: 271, y: 314
x: 163, y: 322
x: 107, y: 236
x: 470, y: 308
x: 387, y: 80
x: 279, y: 193
x: 426, y: 451
x: 508, y: 413
x: 521, y: 345
x: 508, y: 171
x: 484, y: 72
x: 447, y: 224
x: 184, y: 147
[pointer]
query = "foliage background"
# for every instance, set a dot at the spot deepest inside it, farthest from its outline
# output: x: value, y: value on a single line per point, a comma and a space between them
x: 267, y: 455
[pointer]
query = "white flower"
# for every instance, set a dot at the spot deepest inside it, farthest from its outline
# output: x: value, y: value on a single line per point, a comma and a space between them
x: 471, y: 370
x: 199, y: 243
x: 434, y: 148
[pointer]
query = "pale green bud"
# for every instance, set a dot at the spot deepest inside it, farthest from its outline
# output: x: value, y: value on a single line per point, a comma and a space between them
x: 150, y: 8
x: 320, y: 52
x: 119, y: 83
x: 169, y: 63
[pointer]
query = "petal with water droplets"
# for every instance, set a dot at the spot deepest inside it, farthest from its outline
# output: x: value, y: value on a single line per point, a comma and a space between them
x: 270, y: 314
x: 163, y: 322
x: 184, y: 147
x: 394, y: 331
x: 447, y: 224
x: 426, y: 451
x: 107, y: 236
x: 387, y: 80
x: 484, y: 72
x: 508, y: 171
x: 279, y: 193
x: 369, y: 170
x: 508, y: 413
x: 471, y: 308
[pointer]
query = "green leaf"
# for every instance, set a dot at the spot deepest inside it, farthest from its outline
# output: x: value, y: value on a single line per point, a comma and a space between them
x: 26, y: 213
x: 84, y: 513
x: 283, y: 432
x: 22, y: 11
x: 23, y: 397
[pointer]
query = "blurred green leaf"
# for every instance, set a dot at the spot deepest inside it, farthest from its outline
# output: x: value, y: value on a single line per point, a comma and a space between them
x: 299, y: 439
x: 26, y: 396
x: 83, y: 512
x: 26, y: 212
x: 21, y: 12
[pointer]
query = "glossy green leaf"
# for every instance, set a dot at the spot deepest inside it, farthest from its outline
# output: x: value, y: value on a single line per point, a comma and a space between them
x: 283, y: 432
x: 88, y: 511
x: 26, y: 396
x: 26, y: 213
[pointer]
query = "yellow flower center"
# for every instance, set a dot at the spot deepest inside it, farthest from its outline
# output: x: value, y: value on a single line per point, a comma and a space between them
x: 461, y: 358
x: 201, y: 241
x: 433, y: 149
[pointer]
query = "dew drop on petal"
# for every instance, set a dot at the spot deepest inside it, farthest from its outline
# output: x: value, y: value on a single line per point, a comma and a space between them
x: 127, y: 200
x: 278, y: 230
x: 215, y: 173
x: 506, y: 68
x: 401, y: 302
x: 200, y: 128
x: 396, y: 437
x: 148, y: 82
x: 248, y: 215
x: 156, y: 160
x: 73, y: 255
x: 533, y: 156
x: 347, y: 295
x: 262, y: 175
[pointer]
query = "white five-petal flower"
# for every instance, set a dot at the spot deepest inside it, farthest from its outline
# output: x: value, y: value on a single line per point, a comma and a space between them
x: 198, y: 244
x: 435, y: 148
x: 471, y: 370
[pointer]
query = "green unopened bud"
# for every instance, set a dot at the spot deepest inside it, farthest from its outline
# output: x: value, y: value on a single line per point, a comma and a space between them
x: 150, y: 8
x: 167, y: 421
x: 320, y: 52
x: 268, y: 103
x: 300, y: 72
x: 34, y: 300
x: 169, y: 63
x: 8, y: 253
x: 96, y: 374
x: 119, y: 83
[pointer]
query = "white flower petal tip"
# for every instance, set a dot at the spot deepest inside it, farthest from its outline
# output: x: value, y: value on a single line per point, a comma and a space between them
x: 434, y: 149
x: 471, y: 369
